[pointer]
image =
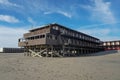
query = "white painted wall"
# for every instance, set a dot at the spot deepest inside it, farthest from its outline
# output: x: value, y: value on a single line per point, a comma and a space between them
x: 1, y: 49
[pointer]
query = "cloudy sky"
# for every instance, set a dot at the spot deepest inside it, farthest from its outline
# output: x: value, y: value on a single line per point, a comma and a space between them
x: 99, y: 18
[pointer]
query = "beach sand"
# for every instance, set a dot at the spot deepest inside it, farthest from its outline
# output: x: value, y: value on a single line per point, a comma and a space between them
x: 95, y: 67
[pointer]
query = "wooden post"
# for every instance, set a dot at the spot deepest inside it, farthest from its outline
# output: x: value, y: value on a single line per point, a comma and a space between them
x: 51, y: 51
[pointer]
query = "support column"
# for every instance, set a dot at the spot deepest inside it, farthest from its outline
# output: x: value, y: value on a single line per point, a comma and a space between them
x: 47, y: 51
x: 81, y: 51
x: 51, y: 51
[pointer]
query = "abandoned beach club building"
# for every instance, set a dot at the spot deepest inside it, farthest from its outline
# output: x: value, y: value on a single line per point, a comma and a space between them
x: 58, y: 40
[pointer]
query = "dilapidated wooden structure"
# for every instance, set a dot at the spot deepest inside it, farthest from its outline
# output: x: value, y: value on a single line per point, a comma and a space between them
x: 57, y: 40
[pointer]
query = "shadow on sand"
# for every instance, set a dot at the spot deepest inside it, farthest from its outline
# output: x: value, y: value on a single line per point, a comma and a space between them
x: 102, y: 53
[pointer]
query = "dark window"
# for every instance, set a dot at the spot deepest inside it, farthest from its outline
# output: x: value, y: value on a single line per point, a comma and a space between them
x: 32, y: 38
x: 55, y: 37
x: 40, y: 36
x: 19, y: 40
x: 36, y: 37
x: 50, y: 36
x: 43, y: 36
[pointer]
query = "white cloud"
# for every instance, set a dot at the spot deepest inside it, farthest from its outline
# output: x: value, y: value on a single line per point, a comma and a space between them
x: 45, y: 7
x: 98, y: 25
x: 7, y: 3
x: 9, y: 36
x: 96, y: 31
x: 65, y: 14
x: 60, y: 12
x: 101, y: 11
x: 37, y: 7
x: 31, y: 21
x: 9, y: 19
x: 103, y: 34
x: 109, y: 38
x: 48, y: 12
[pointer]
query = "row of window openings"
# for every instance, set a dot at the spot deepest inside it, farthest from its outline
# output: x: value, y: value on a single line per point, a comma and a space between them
x: 64, y: 31
x: 42, y: 36
x: 77, y: 42
x: 79, y: 36
x: 52, y: 37
x: 112, y: 43
x: 36, y: 37
x: 113, y: 47
x: 67, y: 40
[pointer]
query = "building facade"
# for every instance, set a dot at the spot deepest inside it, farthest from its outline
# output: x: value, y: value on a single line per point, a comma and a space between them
x: 60, y: 39
x: 111, y: 45
x: 11, y: 50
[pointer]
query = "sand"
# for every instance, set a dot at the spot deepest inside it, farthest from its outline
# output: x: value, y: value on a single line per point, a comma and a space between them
x: 96, y: 67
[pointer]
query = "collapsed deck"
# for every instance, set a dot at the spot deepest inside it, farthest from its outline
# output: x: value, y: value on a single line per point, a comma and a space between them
x: 57, y: 40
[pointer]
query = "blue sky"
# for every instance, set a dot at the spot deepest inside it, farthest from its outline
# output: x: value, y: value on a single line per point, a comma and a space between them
x: 99, y: 18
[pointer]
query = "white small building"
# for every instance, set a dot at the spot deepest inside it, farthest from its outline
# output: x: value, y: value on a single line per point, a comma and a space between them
x: 1, y: 49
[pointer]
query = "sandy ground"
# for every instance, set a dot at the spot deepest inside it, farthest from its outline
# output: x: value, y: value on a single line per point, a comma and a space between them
x: 97, y: 67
